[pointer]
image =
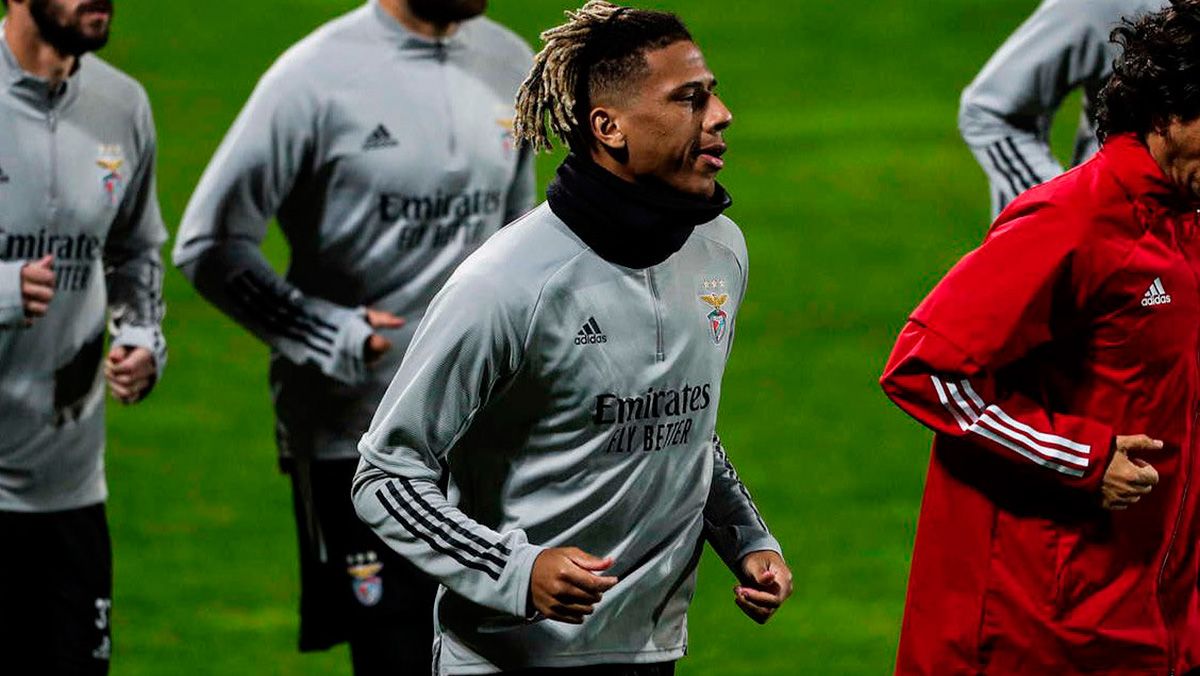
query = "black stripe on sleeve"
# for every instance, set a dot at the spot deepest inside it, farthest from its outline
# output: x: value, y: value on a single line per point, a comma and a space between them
x: 465, y: 545
x: 287, y: 305
x: 457, y: 528
x: 1012, y: 168
x: 737, y: 480
x: 1021, y: 159
x: 271, y: 305
x: 275, y: 325
x: 996, y: 165
x: 428, y: 539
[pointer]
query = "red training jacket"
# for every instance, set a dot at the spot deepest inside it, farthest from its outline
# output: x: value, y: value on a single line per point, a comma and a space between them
x: 1076, y: 320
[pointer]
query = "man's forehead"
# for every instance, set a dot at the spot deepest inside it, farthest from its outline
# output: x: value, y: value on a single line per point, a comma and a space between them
x: 678, y: 64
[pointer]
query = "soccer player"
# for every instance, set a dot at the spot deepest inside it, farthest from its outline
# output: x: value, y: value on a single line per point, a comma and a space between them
x: 383, y: 144
x: 1059, y: 367
x: 80, y: 232
x: 1006, y: 112
x: 570, y: 373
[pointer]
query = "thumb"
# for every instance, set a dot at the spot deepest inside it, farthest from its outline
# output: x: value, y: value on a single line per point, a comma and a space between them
x: 764, y: 575
x: 377, y: 344
x: 46, y: 261
x: 117, y: 354
x: 587, y: 561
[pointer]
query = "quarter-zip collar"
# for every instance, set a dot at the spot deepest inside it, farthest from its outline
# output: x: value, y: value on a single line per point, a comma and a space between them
x: 34, y: 90
x: 407, y: 40
x: 630, y: 224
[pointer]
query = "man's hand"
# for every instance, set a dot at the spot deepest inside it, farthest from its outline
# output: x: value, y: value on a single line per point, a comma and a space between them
x: 564, y: 585
x: 129, y: 372
x: 376, y: 344
x: 767, y: 583
x: 1127, y: 478
x: 37, y: 286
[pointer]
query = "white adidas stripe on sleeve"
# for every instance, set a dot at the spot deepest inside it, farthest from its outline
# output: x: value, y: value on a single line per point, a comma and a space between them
x: 991, y: 422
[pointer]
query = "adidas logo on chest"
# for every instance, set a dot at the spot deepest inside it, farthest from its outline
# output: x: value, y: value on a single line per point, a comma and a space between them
x: 379, y: 138
x: 590, y: 334
x: 1156, y: 294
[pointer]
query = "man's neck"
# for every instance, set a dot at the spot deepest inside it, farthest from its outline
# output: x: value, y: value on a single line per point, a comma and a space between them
x: 400, y: 10
x: 34, y: 54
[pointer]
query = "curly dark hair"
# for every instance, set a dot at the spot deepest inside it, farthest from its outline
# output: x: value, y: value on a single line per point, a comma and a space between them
x: 1156, y: 78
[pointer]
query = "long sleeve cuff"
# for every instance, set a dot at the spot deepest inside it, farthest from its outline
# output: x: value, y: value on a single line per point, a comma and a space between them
x: 147, y: 337
x: 12, y: 306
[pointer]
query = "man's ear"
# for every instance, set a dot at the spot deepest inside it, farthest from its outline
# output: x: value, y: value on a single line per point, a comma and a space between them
x: 606, y: 127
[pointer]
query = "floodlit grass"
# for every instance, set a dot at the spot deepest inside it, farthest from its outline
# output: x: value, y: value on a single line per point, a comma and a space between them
x: 855, y: 195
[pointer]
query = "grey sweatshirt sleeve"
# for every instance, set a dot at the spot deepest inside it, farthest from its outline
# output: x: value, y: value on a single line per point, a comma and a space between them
x: 732, y: 523
x: 270, y: 145
x: 468, y: 345
x: 133, y: 260
x: 1005, y: 113
x: 12, y: 304
x: 522, y: 194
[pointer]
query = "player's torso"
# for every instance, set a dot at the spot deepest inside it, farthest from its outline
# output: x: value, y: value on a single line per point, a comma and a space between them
x: 411, y: 173
x: 617, y: 399
x: 65, y: 169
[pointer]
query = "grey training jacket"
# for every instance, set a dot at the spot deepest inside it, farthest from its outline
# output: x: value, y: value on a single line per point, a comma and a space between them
x: 386, y: 158
x: 77, y: 182
x: 575, y: 401
x: 1005, y: 114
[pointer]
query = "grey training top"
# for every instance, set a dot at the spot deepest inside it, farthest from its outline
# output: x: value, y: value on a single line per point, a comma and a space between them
x: 77, y: 182
x: 386, y: 158
x: 1006, y: 113
x: 576, y: 403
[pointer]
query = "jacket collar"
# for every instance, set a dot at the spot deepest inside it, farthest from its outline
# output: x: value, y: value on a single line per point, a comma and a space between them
x: 410, y: 41
x: 1143, y: 180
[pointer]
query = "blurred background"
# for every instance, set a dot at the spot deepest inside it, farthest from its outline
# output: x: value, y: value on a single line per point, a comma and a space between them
x: 855, y: 194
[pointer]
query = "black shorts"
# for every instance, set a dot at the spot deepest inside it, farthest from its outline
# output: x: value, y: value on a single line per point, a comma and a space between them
x: 352, y: 585
x: 55, y: 592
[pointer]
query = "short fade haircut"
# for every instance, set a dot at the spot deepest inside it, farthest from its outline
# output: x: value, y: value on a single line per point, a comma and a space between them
x: 1156, y: 78
x: 596, y: 54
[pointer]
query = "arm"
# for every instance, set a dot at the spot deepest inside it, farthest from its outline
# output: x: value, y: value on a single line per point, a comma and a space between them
x: 1005, y: 113
x: 732, y: 523
x: 989, y: 312
x: 468, y: 345
x: 269, y: 147
x: 133, y: 275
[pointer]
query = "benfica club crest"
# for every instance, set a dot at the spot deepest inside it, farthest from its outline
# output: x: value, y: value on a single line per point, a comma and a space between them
x: 715, y: 297
x: 364, y: 577
x: 110, y: 160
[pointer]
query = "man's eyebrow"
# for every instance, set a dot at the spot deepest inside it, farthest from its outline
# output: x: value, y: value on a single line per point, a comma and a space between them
x: 706, y: 83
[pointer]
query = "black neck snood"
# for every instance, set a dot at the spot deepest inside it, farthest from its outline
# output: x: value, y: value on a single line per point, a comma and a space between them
x: 634, y: 225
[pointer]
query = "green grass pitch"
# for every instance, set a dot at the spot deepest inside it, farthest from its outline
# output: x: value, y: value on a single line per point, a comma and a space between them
x: 855, y: 194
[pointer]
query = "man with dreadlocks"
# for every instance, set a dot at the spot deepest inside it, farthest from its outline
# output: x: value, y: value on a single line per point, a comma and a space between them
x: 569, y: 373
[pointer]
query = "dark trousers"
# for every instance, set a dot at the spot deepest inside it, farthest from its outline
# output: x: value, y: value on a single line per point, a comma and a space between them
x: 55, y: 593
x: 353, y: 587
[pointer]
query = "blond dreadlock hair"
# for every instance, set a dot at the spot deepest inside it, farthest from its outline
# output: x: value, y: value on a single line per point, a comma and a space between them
x: 599, y: 47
